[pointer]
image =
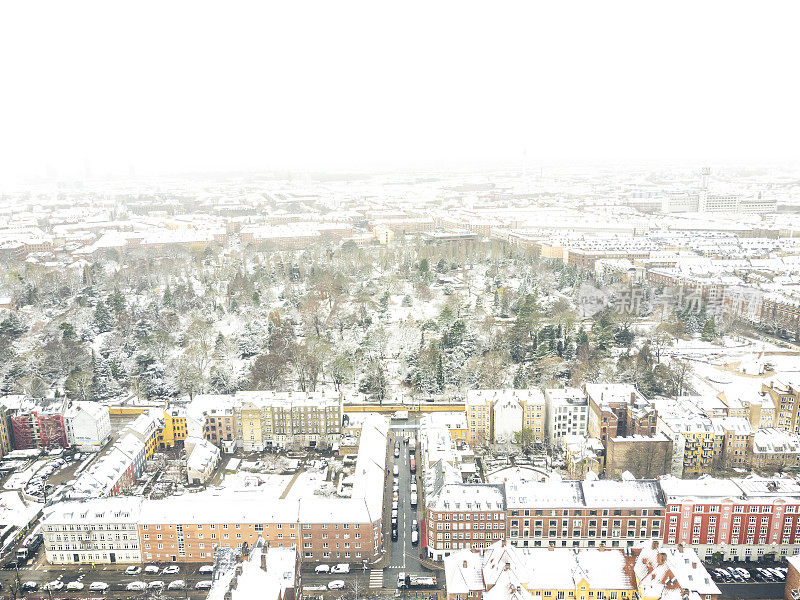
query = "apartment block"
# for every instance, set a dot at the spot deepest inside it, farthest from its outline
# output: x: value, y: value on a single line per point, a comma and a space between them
x: 619, y: 410
x: 742, y: 519
x: 566, y: 413
x: 462, y: 516
x: 270, y: 419
x: 584, y: 514
x: 92, y: 532
x: 785, y: 395
x: 189, y: 529
x: 498, y: 415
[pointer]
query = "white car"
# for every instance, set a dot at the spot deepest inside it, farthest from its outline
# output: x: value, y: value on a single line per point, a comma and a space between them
x: 322, y: 569
x: 336, y: 584
x: 74, y: 585
x: 156, y: 585
x: 98, y: 586
x: 203, y: 585
x: 340, y: 568
x: 206, y: 570
x: 152, y: 570
x: 178, y: 584
x: 133, y: 570
x: 30, y: 585
x: 171, y: 570
x: 136, y: 586
x: 54, y: 585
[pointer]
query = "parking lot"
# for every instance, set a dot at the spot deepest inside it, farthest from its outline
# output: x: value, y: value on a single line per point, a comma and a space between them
x: 745, y: 580
x: 114, y: 576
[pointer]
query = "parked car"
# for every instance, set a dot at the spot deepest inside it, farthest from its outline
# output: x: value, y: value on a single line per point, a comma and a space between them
x: 777, y: 573
x: 171, y: 570
x: 98, y: 586
x: 178, y: 584
x: 133, y: 570
x: 394, y: 534
x: 156, y: 585
x: 203, y: 585
x: 30, y: 585
x: 322, y: 569
x: 414, y: 538
x: 764, y: 575
x: 336, y: 584
x: 206, y: 570
x: 54, y: 586
x: 152, y: 570
x: 340, y: 568
x: 12, y: 564
x: 743, y: 572
x: 136, y: 586
x: 74, y: 585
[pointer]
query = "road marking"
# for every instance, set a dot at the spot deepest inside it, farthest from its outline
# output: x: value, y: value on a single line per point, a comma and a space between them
x: 376, y: 578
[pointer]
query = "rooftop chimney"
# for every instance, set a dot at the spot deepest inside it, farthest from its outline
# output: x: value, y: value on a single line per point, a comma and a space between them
x: 655, y: 545
x: 551, y: 546
x: 506, y: 566
x: 465, y: 564
x: 680, y: 547
x: 661, y: 558
x: 263, y: 561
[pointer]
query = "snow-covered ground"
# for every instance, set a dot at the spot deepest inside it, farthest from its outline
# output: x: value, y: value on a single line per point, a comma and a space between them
x: 18, y: 480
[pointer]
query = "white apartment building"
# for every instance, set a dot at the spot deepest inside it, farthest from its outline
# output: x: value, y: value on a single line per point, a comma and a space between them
x: 507, y: 419
x: 88, y: 425
x: 567, y: 413
x: 96, y: 531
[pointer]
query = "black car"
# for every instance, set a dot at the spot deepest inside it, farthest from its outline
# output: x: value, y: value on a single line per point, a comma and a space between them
x: 12, y: 564
x: 394, y: 534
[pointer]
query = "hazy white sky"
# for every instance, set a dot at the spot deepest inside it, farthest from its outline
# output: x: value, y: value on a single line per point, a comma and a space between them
x: 168, y: 86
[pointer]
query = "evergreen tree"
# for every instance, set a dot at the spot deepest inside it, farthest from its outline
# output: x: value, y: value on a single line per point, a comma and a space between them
x: 167, y: 299
x: 709, y: 330
x: 11, y: 327
x: 102, y: 317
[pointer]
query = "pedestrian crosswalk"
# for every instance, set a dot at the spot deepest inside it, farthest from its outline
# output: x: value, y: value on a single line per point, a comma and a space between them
x: 376, y: 578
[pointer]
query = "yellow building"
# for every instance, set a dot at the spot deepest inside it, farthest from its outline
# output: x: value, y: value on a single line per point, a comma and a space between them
x: 526, y: 408
x: 248, y: 425
x: 505, y: 572
x: 785, y: 396
x: 146, y: 428
x: 478, y: 408
x: 173, y: 429
x: 551, y: 573
x: 384, y: 235
x: 5, y: 432
x: 701, y: 449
